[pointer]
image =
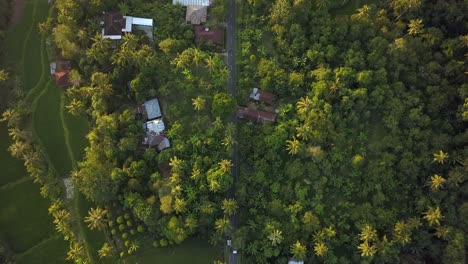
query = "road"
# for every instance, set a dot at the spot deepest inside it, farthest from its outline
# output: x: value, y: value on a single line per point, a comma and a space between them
x: 231, y: 50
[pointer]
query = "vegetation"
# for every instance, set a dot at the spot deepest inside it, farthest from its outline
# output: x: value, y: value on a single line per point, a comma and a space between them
x: 366, y: 162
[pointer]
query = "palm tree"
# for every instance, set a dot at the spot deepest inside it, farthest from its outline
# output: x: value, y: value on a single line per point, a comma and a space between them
x: 18, y: 149
x: 298, y: 250
x: 224, y: 73
x: 229, y: 206
x: 210, y: 63
x: 106, y: 251
x: 293, y: 146
x: 17, y: 134
x: 363, y: 12
x: 303, y: 105
x: 275, y: 237
x: 75, y: 107
x: 225, y: 166
x: 198, y: 103
x: 442, y: 232
x: 366, y: 249
x: 320, y: 249
x: 61, y: 216
x: 134, y: 245
x: 176, y: 164
x: 180, y: 205
x: 304, y: 132
x: 197, y: 56
x: 368, y: 233
x: 228, y: 142
x: 440, y: 157
x: 415, y: 26
x: 76, y: 252
x: 322, y: 4
x: 222, y: 225
x: 436, y: 182
x: 196, y: 173
x: 96, y: 218
x: 3, y: 75
x: 11, y: 116
x: 433, y: 216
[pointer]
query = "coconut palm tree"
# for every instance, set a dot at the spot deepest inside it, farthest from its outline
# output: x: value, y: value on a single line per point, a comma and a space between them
x: 433, y: 216
x: 18, y: 149
x: 293, y: 146
x: 366, y: 249
x: 198, y: 103
x: 298, y: 250
x: 275, y: 237
x: 222, y: 225
x: 196, y: 56
x: 96, y: 218
x: 303, y: 105
x: 210, y: 63
x: 75, y: 107
x: 3, y: 75
x: 228, y: 142
x: 415, y: 26
x: 229, y: 206
x: 304, y: 132
x: 437, y: 182
x: 196, y: 174
x: 368, y: 233
x: 180, y: 205
x: 17, y: 134
x: 76, y: 252
x: 11, y: 116
x: 320, y: 249
x: 363, y: 12
x: 442, y: 232
x: 106, y: 251
x: 176, y: 164
x: 440, y: 157
x: 225, y: 166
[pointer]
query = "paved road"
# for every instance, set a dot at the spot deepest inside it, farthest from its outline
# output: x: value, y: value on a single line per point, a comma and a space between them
x: 231, y: 50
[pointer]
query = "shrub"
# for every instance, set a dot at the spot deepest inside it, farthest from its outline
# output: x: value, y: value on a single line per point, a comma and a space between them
x: 129, y: 223
x: 132, y: 232
x: 121, y: 227
x: 127, y: 216
x: 140, y: 229
x: 114, y: 232
x: 163, y: 242
x: 125, y: 235
x: 120, y: 219
x: 110, y: 224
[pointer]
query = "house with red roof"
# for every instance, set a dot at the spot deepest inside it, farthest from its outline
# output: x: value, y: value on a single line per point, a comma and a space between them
x: 204, y: 34
x: 60, y: 70
x: 259, y: 116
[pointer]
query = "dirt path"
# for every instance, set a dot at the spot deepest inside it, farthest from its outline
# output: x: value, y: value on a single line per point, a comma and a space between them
x: 18, y: 11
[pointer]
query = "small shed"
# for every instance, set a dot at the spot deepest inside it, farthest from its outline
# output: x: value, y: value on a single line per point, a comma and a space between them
x: 262, y: 96
x: 157, y: 140
x: 155, y: 126
x: 293, y: 261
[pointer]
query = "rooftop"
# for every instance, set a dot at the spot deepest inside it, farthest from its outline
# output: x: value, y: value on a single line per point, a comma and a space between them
x: 262, y: 96
x: 213, y: 35
x: 192, y: 2
x: 60, y: 70
x: 150, y: 109
x: 196, y: 14
x: 256, y: 115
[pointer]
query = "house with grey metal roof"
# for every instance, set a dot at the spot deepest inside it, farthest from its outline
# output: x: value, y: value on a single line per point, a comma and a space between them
x: 150, y: 109
x: 115, y: 25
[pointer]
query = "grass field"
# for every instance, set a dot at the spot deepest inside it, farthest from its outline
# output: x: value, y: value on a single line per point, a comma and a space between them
x: 193, y: 251
x: 41, y: 252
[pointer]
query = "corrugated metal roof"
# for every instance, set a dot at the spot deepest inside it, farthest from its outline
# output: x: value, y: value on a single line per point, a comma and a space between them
x: 153, y: 110
x: 192, y: 2
x: 139, y: 21
x: 155, y: 126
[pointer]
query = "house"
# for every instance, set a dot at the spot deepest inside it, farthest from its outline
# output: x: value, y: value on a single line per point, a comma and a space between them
x: 150, y: 109
x: 61, y: 71
x: 262, y: 96
x: 204, y: 34
x: 154, y: 126
x: 256, y: 115
x: 115, y: 25
x: 196, y: 14
x: 157, y: 140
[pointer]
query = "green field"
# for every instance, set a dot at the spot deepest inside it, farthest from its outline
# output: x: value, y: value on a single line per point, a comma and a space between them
x: 193, y: 251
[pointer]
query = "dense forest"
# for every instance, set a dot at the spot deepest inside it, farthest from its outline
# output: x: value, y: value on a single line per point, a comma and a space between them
x: 366, y: 163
